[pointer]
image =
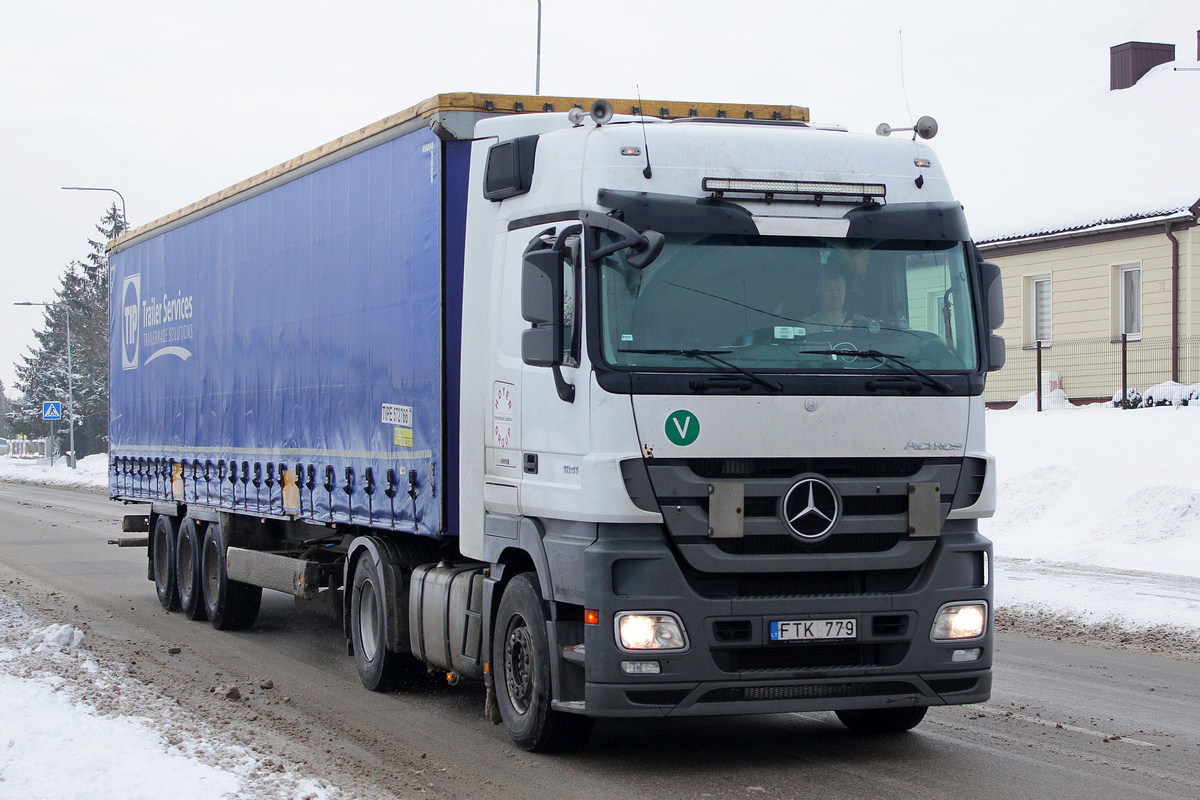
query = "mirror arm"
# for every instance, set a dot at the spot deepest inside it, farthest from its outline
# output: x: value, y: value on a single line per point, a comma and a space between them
x: 566, y: 391
x: 629, y: 235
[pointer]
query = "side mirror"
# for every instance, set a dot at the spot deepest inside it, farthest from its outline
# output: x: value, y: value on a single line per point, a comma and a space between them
x: 996, y: 353
x: 993, y: 294
x: 541, y: 304
x: 640, y: 257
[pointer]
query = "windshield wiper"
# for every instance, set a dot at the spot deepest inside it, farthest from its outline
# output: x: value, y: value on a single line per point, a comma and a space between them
x: 711, y: 355
x: 899, y: 361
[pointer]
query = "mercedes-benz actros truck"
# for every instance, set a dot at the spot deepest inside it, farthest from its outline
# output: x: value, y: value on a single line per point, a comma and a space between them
x: 666, y: 412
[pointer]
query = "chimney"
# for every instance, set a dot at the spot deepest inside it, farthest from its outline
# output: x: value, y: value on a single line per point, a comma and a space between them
x: 1130, y: 61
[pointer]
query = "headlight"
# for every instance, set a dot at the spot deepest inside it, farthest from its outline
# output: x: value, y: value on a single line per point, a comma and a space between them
x: 653, y: 630
x: 959, y: 621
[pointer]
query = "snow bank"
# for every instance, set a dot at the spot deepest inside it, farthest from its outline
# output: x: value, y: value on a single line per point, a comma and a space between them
x: 53, y: 747
x: 1100, y: 488
x: 1108, y: 487
x: 72, y: 727
x: 92, y: 472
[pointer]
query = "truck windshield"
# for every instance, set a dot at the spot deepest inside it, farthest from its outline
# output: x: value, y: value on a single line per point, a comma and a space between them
x: 789, y: 304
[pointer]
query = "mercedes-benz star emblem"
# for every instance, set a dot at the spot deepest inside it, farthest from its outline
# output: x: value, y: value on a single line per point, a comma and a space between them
x: 811, y: 508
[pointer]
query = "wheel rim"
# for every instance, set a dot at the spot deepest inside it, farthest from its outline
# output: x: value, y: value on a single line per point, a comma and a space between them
x: 162, y: 556
x: 368, y: 618
x: 518, y: 664
x: 185, y: 559
x: 212, y: 572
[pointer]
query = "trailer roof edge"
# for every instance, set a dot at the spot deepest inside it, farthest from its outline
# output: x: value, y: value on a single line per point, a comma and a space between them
x: 455, y: 115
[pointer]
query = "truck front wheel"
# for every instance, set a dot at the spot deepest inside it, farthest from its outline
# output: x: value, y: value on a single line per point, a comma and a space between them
x: 230, y: 605
x: 521, y: 664
x: 162, y: 559
x: 882, y: 720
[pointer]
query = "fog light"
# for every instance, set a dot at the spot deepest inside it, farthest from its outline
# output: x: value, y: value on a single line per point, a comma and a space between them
x: 650, y: 630
x: 960, y: 621
x: 967, y: 655
x: 641, y: 667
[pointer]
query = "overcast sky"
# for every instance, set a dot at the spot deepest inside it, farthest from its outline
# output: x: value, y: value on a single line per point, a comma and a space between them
x: 170, y: 102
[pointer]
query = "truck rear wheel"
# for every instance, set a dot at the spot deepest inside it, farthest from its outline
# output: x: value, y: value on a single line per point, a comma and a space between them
x: 230, y: 605
x: 187, y: 569
x: 379, y: 668
x: 882, y: 720
x: 521, y: 666
x: 162, y: 560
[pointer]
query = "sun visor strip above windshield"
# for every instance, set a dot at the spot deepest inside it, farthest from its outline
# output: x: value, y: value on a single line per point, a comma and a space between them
x: 666, y: 212
x: 910, y: 221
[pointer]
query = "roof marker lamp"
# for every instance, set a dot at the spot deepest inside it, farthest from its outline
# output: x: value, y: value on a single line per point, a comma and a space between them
x: 650, y: 630
x: 957, y: 621
x: 802, y: 191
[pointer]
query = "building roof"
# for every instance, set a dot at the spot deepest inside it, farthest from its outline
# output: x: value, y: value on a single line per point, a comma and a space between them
x: 1096, y: 158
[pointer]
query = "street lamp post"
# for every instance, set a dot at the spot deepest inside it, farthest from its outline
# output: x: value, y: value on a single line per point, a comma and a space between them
x: 70, y: 376
x: 125, y: 216
x: 537, y: 80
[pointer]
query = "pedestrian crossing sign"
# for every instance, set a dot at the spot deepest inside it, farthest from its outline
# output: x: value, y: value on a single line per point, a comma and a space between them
x: 52, y: 410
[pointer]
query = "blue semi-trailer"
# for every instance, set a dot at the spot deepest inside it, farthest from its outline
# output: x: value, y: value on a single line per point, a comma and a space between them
x: 561, y: 401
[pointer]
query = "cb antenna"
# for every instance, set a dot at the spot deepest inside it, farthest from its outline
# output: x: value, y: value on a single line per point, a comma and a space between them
x: 926, y: 127
x: 647, y: 172
x: 903, y: 82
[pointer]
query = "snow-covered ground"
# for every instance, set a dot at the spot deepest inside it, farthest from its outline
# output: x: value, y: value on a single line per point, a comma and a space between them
x: 1098, y: 513
x: 92, y: 472
x: 73, y: 726
x: 1097, y: 522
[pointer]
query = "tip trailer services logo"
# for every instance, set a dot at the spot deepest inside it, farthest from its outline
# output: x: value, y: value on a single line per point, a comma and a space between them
x: 131, y: 305
x: 161, y: 323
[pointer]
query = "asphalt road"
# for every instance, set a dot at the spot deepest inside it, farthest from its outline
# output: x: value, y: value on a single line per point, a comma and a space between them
x: 1065, y: 721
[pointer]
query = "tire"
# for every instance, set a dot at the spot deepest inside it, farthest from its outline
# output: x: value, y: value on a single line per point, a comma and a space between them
x: 379, y: 668
x: 189, y: 545
x: 882, y: 720
x: 162, y: 562
x: 521, y: 668
x: 229, y: 605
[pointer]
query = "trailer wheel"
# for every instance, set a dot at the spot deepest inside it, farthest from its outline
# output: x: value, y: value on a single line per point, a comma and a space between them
x: 379, y: 668
x: 230, y: 605
x: 882, y: 720
x: 162, y: 562
x: 188, y: 547
x: 521, y: 664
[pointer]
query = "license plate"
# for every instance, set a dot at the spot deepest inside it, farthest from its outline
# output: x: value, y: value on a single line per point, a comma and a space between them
x: 813, y: 630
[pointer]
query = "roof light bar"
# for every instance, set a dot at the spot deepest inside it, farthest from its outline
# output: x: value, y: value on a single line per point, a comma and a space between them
x: 804, y: 191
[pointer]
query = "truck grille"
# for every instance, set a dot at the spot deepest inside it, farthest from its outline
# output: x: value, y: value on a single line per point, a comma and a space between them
x: 759, y: 585
x: 874, y: 494
x: 808, y: 691
x: 809, y: 656
x: 784, y: 544
x: 718, y: 468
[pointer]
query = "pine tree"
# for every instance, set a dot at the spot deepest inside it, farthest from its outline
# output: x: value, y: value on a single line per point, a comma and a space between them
x: 83, y: 296
x: 6, y: 426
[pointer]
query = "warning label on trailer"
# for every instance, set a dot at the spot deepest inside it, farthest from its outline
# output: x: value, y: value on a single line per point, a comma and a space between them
x: 402, y: 437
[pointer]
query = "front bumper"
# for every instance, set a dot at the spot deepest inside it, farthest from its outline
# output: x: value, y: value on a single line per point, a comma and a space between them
x: 733, y: 667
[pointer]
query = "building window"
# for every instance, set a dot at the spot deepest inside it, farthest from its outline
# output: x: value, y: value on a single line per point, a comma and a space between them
x: 1040, y: 310
x: 1129, y: 303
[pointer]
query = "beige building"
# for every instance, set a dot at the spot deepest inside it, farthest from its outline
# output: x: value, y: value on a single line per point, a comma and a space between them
x: 1096, y: 236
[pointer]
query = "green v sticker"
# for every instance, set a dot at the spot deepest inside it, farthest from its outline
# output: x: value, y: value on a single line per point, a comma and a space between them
x: 682, y: 428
